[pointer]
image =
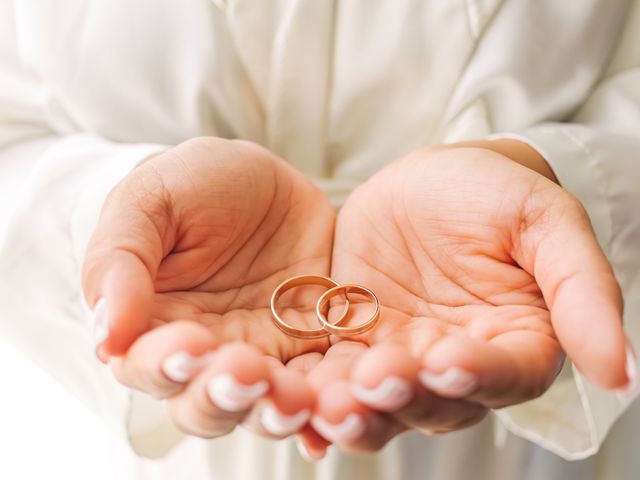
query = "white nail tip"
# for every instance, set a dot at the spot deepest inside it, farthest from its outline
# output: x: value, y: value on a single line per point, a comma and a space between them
x: 181, y: 366
x: 351, y: 428
x: 454, y: 382
x: 632, y: 388
x: 304, y: 453
x: 225, y: 391
x: 100, y: 322
x: 278, y: 423
x: 391, y: 394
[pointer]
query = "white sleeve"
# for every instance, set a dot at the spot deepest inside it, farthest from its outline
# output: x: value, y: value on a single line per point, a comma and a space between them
x: 52, y: 187
x: 595, y: 156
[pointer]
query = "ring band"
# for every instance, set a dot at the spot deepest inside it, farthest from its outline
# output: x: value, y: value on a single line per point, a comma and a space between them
x: 334, y: 328
x: 296, y: 282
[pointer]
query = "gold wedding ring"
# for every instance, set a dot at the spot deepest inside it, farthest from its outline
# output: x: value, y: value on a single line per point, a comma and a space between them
x: 345, y: 290
x: 297, y: 282
x: 327, y: 328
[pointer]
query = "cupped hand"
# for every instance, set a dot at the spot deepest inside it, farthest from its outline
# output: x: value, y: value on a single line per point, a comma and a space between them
x: 486, y: 271
x: 179, y: 272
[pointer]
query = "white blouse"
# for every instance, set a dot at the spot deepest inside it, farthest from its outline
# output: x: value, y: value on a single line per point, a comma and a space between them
x: 338, y: 88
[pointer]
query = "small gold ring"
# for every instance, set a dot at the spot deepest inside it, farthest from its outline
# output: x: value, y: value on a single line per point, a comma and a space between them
x: 296, y: 282
x: 334, y: 328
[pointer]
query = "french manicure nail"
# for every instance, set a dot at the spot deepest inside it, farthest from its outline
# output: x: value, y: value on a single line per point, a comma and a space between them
x: 181, y: 366
x: 453, y: 382
x: 309, y: 455
x: 225, y: 391
x: 632, y: 388
x: 391, y: 394
x: 100, y: 322
x: 351, y: 428
x: 278, y: 423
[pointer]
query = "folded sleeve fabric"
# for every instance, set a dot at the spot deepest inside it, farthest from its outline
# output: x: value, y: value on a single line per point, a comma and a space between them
x: 51, y: 216
x: 52, y: 186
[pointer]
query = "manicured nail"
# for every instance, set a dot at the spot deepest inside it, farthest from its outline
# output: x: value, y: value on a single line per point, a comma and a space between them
x: 100, y: 322
x: 391, y: 394
x: 309, y: 455
x: 277, y: 423
x: 632, y: 388
x: 229, y: 395
x: 351, y: 428
x: 453, y: 382
x: 181, y: 366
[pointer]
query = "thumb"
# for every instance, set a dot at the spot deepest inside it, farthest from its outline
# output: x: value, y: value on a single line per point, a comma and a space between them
x: 561, y: 251
x: 121, y: 262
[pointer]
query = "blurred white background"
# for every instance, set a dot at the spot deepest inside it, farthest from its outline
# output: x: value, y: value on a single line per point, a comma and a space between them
x: 45, y: 433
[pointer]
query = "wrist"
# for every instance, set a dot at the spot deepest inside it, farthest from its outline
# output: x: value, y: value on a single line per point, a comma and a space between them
x: 516, y: 150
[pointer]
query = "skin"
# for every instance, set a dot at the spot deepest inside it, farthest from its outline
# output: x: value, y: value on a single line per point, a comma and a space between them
x: 187, y: 249
x: 480, y: 264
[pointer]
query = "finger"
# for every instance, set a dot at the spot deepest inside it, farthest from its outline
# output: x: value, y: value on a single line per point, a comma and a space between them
x: 339, y: 417
x: 560, y: 249
x: 164, y: 359
x: 121, y: 262
x: 351, y: 425
x: 321, y: 369
x: 124, y: 302
x: 221, y: 396
x: 305, y: 362
x: 288, y: 406
x: 432, y: 415
x: 385, y: 378
x: 311, y: 445
x: 511, y: 368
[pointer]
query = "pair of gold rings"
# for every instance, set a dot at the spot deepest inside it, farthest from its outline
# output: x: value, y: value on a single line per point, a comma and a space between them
x: 327, y: 328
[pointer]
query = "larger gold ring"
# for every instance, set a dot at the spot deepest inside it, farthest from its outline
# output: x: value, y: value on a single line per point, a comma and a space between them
x: 334, y: 328
x: 296, y: 282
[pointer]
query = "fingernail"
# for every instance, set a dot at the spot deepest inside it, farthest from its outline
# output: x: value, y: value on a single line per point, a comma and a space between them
x: 100, y: 322
x: 453, y: 382
x: 351, y: 428
x: 278, y: 423
x: 632, y: 388
x: 391, y: 394
x: 181, y: 366
x: 225, y: 391
x: 309, y: 455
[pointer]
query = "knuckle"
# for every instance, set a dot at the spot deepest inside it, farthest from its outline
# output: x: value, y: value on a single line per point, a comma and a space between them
x: 470, y: 417
x: 142, y: 377
x: 121, y: 374
x: 185, y: 426
x: 187, y: 417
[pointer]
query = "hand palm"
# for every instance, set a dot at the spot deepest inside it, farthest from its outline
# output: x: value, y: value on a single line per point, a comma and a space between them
x: 480, y: 265
x: 451, y: 257
x: 222, y: 229
x: 440, y: 249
